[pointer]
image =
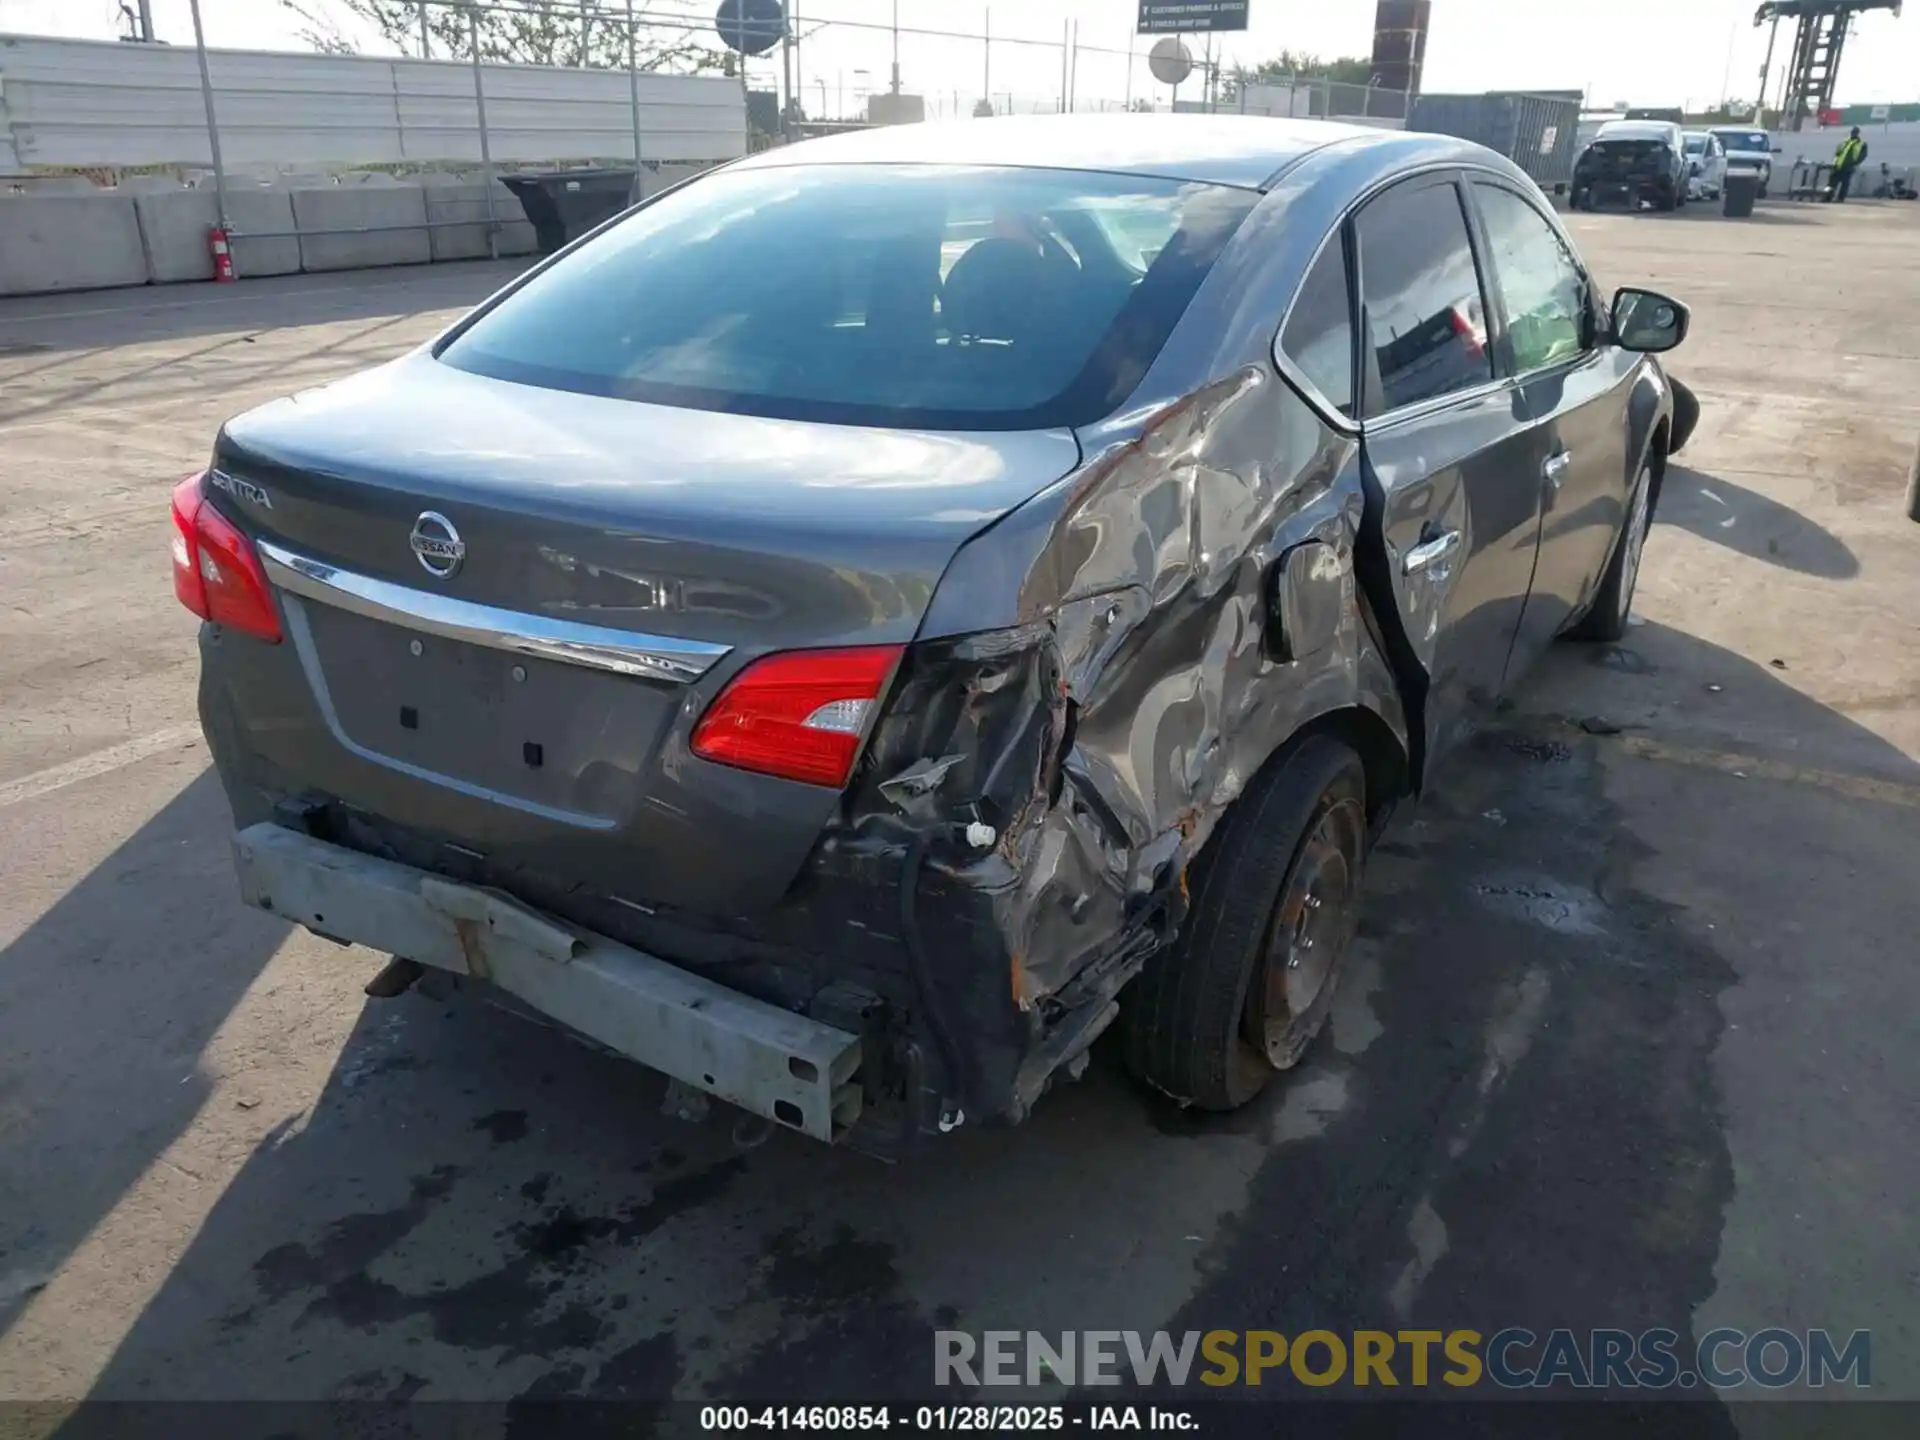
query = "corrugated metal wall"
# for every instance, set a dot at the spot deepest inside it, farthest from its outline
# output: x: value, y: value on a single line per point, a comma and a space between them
x: 92, y: 103
x: 1538, y: 132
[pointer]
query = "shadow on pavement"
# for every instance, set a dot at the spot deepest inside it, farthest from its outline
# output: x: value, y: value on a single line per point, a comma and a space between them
x: 1513, y: 1119
x: 1731, y: 515
x: 106, y: 1003
x: 1709, y: 210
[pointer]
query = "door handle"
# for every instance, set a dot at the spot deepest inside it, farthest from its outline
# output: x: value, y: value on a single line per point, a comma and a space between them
x: 1429, y: 553
x: 1556, y: 467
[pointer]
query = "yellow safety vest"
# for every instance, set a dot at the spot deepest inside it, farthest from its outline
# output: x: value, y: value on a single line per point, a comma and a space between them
x: 1850, y: 152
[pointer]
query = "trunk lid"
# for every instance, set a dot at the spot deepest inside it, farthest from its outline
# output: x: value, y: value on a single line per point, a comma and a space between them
x: 1629, y: 157
x: 579, y: 517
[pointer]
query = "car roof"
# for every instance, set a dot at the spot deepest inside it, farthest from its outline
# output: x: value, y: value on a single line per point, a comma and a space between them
x: 1242, y: 150
x: 1637, y: 130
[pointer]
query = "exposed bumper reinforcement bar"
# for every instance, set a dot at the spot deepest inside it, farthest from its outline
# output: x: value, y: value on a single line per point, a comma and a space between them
x: 764, y: 1059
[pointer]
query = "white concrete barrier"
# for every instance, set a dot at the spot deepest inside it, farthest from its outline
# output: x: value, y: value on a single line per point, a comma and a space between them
x: 174, y: 225
x: 467, y: 200
x: 378, y: 209
x: 69, y: 242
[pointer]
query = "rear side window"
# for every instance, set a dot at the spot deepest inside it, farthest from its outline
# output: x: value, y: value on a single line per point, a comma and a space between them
x: 1319, y: 334
x: 1425, y: 317
x: 928, y: 296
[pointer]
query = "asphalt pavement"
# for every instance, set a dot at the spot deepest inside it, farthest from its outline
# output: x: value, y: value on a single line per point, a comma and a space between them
x: 1630, y: 1040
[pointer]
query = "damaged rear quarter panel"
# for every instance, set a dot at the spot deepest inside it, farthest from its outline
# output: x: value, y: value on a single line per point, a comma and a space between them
x: 1153, y: 578
x: 1157, y: 576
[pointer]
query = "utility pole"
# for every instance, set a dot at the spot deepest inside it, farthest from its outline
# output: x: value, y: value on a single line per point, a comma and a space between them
x: 585, y: 27
x: 786, y: 77
x: 986, y: 55
x: 213, y: 124
x: 1073, y: 66
x: 633, y: 105
x: 799, y: 73
x: 1066, y: 47
x: 896, y: 47
x: 426, y: 44
x: 146, y: 21
x: 1766, y: 66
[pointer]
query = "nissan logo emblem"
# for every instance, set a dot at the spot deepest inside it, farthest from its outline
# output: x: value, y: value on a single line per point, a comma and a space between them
x: 437, y: 545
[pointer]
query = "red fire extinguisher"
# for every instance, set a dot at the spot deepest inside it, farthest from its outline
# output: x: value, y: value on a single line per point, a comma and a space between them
x: 222, y: 255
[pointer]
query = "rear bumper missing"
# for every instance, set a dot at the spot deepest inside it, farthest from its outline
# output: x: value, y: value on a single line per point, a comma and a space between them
x: 787, y: 1067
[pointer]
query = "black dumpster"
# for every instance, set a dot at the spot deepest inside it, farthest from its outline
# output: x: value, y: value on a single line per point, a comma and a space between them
x: 563, y: 205
x: 1742, y: 191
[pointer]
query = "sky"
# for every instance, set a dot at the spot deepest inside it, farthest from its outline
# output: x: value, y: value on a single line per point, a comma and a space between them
x: 1648, y: 52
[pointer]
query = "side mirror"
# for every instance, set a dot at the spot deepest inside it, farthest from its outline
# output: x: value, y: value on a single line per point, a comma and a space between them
x: 1649, y: 322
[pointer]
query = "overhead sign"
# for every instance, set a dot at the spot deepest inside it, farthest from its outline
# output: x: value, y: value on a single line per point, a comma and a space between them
x: 1191, y: 17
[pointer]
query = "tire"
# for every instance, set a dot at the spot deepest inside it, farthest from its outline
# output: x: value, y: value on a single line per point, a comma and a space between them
x: 1247, y: 984
x: 1606, y: 619
x: 1686, y: 416
x: 1913, y: 490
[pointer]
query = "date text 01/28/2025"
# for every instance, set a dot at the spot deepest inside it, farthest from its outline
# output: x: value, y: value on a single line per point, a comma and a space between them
x: 979, y: 1418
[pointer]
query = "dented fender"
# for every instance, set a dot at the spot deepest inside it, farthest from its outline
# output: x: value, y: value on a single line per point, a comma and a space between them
x: 1102, y: 674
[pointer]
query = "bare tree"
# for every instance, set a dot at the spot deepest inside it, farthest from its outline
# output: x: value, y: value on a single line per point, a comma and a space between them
x: 531, y: 32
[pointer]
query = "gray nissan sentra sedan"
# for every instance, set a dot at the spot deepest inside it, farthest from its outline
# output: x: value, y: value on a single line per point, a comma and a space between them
x: 866, y: 621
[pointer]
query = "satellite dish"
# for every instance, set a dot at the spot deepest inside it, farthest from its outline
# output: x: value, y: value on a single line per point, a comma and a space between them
x: 1170, y: 61
x: 752, y: 27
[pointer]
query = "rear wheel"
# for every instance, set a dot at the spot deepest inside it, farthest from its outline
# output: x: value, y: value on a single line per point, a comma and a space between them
x: 1913, y: 490
x: 1606, y: 621
x: 1248, y: 983
x: 1686, y: 415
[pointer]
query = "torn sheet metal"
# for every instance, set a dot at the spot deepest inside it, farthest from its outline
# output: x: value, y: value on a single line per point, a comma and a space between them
x: 1189, y: 605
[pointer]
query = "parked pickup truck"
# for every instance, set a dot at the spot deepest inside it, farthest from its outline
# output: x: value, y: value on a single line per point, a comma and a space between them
x: 864, y: 622
x: 1749, y: 151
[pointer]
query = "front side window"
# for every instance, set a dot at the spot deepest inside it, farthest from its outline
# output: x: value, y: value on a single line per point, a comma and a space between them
x: 1319, y: 333
x: 1422, y: 293
x: 937, y: 297
x: 1541, y: 289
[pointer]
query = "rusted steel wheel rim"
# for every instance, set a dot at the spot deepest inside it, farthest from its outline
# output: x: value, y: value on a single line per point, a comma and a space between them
x: 1312, y: 926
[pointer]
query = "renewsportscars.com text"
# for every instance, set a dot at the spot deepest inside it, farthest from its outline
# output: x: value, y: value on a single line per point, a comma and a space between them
x: 1513, y: 1358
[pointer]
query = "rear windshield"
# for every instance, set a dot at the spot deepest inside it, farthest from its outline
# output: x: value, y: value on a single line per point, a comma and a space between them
x: 1745, y: 139
x: 1696, y: 144
x: 926, y: 296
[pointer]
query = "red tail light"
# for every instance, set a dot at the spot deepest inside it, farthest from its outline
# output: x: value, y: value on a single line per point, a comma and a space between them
x: 799, y: 715
x: 1468, y: 330
x: 216, y: 573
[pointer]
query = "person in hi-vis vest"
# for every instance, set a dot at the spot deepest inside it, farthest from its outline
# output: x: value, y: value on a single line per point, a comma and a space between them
x: 1846, y: 160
